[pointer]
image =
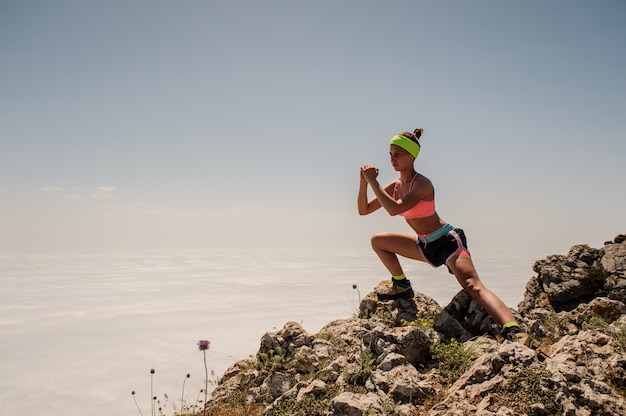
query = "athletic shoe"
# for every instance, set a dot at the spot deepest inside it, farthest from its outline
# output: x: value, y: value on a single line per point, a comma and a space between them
x: 400, y: 289
x: 515, y: 334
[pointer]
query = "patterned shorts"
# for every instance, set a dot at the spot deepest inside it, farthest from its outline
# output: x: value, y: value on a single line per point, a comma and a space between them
x: 440, y: 246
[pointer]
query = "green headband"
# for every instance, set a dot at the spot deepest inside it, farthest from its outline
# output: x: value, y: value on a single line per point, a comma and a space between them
x: 407, y: 144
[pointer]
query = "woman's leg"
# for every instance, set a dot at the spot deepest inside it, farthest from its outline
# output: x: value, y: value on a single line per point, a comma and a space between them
x: 466, y: 274
x: 388, y: 245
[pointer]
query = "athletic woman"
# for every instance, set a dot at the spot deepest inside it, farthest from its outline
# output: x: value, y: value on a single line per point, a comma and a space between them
x: 412, y: 196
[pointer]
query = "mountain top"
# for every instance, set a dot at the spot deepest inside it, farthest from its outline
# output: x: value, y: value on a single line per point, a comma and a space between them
x: 414, y: 357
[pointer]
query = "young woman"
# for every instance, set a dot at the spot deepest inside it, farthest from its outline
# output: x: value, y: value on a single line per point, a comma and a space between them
x: 412, y: 196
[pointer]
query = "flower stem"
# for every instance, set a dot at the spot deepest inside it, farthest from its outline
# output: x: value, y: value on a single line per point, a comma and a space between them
x: 137, y: 404
x: 206, y: 382
x: 152, y: 392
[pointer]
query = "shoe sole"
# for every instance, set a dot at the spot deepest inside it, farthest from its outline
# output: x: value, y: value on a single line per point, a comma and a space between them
x: 407, y: 294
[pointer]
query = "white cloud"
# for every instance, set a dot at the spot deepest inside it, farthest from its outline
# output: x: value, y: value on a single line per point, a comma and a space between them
x: 106, y: 188
x: 80, y: 193
x: 52, y: 187
x: 246, y: 208
x: 103, y: 192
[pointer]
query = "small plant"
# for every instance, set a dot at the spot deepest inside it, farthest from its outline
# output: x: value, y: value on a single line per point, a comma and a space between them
x: 271, y: 361
x: 358, y: 372
x: 236, y: 405
x: 156, y: 406
x: 619, y: 334
x: 385, y: 314
x: 594, y: 323
x: 616, y: 376
x: 390, y: 408
x: 423, y: 322
x: 309, y: 405
x: 554, y: 325
x: 185, y: 409
x: 335, y: 340
x: 596, y: 274
x: 617, y: 330
x: 524, y: 389
x: 454, y: 358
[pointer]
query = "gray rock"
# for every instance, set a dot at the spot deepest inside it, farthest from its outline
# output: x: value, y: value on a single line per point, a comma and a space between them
x: 354, y: 404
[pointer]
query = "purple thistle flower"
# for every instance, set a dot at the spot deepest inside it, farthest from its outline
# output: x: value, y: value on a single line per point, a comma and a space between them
x: 204, y: 345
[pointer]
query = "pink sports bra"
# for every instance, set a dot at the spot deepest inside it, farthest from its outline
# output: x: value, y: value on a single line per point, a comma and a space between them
x: 421, y: 210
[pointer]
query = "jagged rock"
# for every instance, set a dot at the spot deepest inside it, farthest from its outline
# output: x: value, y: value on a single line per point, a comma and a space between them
x: 354, y: 404
x: 608, y: 309
x: 316, y: 388
x: 473, y: 317
x: 382, y: 362
x: 449, y: 325
x: 240, y: 376
x: 289, y: 338
x: 614, y: 259
x: 464, y: 318
x: 564, y: 282
x: 400, y: 309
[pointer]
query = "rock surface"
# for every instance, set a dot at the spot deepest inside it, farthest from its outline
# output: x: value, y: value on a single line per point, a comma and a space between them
x: 413, y: 357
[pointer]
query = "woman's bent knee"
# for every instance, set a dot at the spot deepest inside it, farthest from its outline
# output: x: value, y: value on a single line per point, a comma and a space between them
x: 378, y: 238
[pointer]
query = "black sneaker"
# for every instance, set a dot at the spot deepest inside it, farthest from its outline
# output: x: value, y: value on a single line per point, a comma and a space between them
x: 515, y: 334
x: 400, y: 289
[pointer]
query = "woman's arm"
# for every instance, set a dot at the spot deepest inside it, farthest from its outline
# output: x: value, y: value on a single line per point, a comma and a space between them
x: 369, y: 174
x: 366, y: 207
x: 384, y: 199
x: 392, y: 206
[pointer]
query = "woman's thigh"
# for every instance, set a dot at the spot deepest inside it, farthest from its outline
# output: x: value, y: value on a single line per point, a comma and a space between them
x: 465, y: 272
x: 403, y: 244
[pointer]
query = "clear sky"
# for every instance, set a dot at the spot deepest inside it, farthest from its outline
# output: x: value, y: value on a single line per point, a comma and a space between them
x: 171, y: 124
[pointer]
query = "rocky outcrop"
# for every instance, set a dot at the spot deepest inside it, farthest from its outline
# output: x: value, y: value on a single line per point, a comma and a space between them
x: 413, y: 357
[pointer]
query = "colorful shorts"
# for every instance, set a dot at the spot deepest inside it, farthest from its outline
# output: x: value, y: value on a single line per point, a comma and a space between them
x: 440, y: 246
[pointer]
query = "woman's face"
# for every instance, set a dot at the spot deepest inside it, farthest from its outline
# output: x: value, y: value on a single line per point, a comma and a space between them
x: 400, y: 158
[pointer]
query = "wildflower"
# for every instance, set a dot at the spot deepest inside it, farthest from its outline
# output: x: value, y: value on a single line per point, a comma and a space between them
x: 204, y: 345
x: 136, y: 404
x: 182, y: 396
x: 355, y: 287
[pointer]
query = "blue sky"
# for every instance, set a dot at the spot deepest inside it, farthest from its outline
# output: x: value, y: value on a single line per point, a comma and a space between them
x: 131, y: 125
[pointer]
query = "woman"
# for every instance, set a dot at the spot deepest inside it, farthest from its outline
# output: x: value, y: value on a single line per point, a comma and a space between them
x: 412, y: 196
